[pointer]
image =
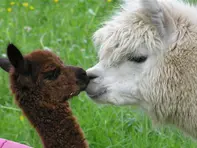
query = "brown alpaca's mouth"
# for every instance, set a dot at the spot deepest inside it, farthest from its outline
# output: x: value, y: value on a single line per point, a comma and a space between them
x: 72, y: 94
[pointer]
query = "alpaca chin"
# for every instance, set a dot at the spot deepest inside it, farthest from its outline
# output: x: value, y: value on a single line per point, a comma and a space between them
x: 68, y: 97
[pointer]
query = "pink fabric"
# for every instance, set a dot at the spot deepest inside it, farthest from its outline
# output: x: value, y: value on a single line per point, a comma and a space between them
x: 10, y: 144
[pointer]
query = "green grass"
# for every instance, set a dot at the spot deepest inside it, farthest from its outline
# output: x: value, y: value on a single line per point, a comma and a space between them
x: 67, y: 27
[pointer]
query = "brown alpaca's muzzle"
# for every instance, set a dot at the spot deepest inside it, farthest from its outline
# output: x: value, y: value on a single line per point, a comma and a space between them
x: 82, y: 79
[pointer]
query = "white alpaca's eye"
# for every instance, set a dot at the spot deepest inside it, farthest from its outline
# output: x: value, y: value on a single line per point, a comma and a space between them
x: 117, y: 45
x: 139, y: 59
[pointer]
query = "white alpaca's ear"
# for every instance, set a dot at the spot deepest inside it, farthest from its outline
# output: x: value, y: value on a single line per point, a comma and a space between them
x: 161, y: 19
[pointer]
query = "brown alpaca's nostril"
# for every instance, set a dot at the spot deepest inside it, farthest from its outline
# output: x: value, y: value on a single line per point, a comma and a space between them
x: 81, y: 74
x: 82, y: 78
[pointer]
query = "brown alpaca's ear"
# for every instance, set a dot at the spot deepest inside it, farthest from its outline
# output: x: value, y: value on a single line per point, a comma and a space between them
x: 16, y: 59
x: 5, y: 64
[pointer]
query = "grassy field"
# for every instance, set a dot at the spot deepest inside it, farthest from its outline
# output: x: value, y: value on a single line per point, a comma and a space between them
x: 66, y: 26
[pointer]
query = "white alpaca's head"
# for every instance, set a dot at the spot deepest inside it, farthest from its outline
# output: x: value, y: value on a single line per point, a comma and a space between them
x: 137, y: 48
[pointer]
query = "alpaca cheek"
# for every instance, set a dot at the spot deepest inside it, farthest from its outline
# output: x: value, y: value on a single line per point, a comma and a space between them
x: 73, y: 90
x: 69, y: 83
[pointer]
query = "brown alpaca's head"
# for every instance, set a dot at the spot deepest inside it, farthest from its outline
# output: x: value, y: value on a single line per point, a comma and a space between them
x: 42, y: 71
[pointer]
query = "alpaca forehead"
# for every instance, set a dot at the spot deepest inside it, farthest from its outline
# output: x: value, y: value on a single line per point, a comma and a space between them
x: 126, y: 39
x: 130, y: 28
x: 43, y: 57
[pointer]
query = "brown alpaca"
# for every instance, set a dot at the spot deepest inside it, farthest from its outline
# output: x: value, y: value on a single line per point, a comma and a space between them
x: 42, y: 84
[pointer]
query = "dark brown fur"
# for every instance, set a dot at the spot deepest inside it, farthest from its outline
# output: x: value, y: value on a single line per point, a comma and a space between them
x: 44, y: 102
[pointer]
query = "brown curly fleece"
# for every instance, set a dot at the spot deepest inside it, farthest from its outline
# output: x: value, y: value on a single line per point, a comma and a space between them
x: 42, y: 86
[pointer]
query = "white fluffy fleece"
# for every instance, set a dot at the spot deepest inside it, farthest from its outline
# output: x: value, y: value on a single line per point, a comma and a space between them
x: 148, y: 57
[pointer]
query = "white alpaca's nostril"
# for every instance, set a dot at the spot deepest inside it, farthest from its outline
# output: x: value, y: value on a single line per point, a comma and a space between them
x: 91, y: 77
x: 91, y: 74
x: 94, y: 72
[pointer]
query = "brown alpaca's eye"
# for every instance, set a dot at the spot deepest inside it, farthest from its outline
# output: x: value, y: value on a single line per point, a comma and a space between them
x: 51, y: 75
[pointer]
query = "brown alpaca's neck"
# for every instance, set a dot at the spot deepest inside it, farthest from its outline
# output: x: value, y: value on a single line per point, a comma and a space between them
x: 54, y: 123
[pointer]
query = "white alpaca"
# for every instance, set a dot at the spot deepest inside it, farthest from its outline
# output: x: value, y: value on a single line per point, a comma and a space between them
x: 148, y: 57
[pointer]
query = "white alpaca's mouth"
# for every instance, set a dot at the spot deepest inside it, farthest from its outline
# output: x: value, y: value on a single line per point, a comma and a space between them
x: 96, y: 95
